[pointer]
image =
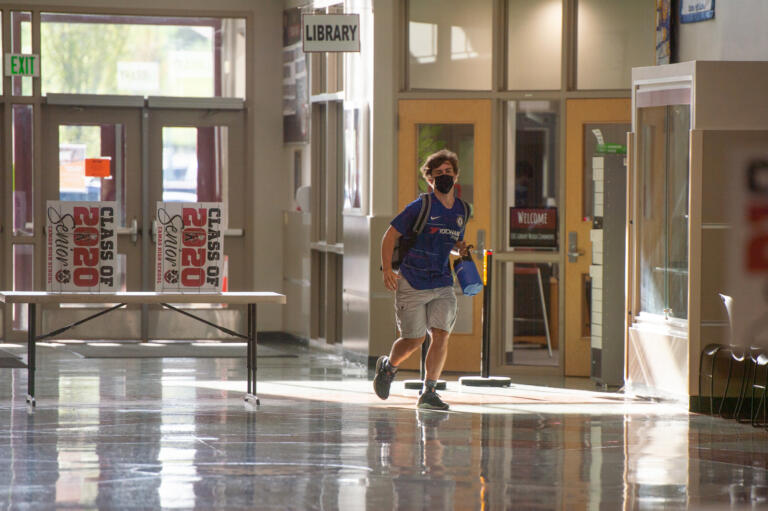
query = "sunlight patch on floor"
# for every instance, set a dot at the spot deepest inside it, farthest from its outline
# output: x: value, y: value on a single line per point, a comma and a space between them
x: 517, y: 398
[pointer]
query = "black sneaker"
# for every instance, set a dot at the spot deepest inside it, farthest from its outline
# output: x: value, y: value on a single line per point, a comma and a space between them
x: 383, y: 378
x: 429, y: 400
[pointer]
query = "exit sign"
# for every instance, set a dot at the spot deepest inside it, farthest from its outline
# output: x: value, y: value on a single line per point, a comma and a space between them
x: 17, y: 64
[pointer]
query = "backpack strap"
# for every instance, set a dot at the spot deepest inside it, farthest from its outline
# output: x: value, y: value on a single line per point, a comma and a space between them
x: 467, y: 211
x: 421, y: 219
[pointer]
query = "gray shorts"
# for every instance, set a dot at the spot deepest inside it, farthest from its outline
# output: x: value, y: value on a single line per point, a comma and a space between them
x: 419, y: 309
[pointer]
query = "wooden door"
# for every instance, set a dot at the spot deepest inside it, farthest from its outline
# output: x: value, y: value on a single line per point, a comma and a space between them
x: 464, y: 127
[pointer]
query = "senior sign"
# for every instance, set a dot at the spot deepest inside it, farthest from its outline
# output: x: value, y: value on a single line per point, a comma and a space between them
x: 190, y: 247
x: 82, y: 246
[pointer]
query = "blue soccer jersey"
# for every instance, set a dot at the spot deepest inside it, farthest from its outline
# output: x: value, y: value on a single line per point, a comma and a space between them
x: 427, y: 265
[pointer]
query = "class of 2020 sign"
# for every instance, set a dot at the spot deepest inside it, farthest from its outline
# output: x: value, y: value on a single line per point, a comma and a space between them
x: 190, y: 247
x: 82, y: 247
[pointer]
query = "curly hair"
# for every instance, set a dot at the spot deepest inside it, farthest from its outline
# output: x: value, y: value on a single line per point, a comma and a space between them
x: 434, y: 160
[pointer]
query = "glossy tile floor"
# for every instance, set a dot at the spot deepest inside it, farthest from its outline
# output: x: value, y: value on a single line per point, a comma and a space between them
x: 173, y: 433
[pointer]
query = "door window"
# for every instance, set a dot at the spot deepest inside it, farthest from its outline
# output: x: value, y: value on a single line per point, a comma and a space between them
x: 534, y: 44
x: 23, y: 203
x: 613, y: 37
x: 449, y: 44
x: 142, y: 55
x: 23, y: 280
x: 195, y: 164
x: 662, y: 223
x: 77, y: 181
x: 532, y: 175
x: 531, y: 313
x: 21, y: 42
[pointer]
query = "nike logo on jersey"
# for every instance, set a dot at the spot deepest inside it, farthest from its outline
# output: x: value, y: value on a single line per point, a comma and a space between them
x: 434, y: 217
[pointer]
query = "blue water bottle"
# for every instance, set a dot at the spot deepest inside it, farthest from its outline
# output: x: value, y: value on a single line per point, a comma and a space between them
x: 466, y: 271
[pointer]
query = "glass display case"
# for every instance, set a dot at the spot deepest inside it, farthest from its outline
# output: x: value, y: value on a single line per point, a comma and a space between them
x: 662, y: 222
x: 690, y: 122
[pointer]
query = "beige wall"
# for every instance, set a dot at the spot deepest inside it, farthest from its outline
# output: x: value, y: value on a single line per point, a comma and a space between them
x: 384, y: 110
x: 736, y: 33
x: 265, y: 116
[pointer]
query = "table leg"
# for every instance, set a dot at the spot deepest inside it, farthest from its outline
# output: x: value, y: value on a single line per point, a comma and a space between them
x: 254, y: 341
x: 249, y: 348
x: 250, y: 395
x: 31, y: 313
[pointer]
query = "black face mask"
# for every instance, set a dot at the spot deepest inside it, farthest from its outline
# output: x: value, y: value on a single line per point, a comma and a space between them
x: 443, y: 183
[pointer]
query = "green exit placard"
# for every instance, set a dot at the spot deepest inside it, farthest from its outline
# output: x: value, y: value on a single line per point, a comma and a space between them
x: 17, y: 64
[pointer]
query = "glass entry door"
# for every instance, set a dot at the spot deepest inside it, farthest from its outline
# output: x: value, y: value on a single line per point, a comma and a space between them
x: 72, y: 134
x: 198, y: 156
x: 187, y: 155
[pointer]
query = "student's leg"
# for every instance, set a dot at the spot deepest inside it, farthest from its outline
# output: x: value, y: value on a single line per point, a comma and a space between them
x: 441, y: 317
x: 411, y: 316
x: 436, y: 354
x: 402, y: 349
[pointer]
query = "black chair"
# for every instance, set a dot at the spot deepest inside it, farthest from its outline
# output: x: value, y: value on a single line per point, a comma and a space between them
x: 755, y: 378
x: 711, y: 351
x: 736, y: 356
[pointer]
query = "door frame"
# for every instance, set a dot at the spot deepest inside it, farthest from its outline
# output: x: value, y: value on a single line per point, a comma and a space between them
x: 465, y: 351
x: 115, y: 109
x: 578, y: 112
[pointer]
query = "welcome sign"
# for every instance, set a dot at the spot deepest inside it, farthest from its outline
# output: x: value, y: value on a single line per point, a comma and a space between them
x: 533, y: 227
x: 81, y: 246
x: 190, y: 247
x: 330, y: 32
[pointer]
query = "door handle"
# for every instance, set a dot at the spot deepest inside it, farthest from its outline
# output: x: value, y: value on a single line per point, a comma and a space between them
x: 133, y: 230
x: 573, y: 247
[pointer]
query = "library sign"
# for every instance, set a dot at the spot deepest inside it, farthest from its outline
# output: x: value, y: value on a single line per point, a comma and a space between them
x: 330, y: 32
x: 17, y: 64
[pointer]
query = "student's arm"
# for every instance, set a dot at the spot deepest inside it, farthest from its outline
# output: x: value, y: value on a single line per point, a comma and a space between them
x: 387, y: 246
